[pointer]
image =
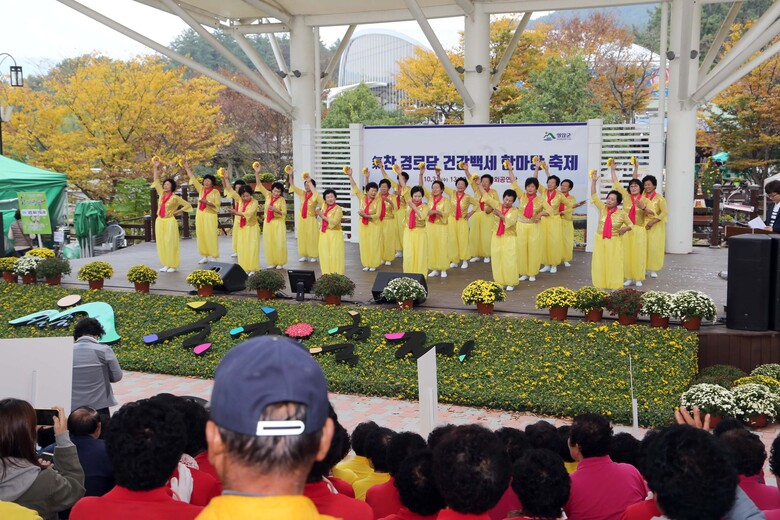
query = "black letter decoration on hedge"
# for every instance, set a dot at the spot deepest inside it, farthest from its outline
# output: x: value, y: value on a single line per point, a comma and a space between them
x: 202, y: 326
x: 414, y: 343
x: 345, y: 352
x: 260, y: 328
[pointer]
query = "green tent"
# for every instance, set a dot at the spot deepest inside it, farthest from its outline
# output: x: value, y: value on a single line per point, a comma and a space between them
x: 16, y: 176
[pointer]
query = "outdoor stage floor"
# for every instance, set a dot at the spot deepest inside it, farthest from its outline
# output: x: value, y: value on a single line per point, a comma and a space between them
x: 697, y: 270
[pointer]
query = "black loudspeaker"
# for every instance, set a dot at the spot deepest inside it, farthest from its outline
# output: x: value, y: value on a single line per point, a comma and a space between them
x: 774, y: 295
x: 749, y: 284
x: 382, y: 279
x: 233, y: 276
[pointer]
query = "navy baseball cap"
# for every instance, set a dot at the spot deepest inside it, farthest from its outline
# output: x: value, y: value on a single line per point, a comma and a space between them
x: 263, y: 371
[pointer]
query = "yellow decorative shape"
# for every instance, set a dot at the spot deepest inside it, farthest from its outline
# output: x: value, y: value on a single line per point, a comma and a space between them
x: 196, y: 305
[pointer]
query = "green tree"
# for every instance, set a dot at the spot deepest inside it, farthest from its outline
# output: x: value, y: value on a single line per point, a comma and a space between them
x: 358, y: 105
x: 558, y: 93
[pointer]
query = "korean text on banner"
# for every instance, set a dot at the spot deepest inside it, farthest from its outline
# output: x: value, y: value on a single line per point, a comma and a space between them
x: 35, y: 213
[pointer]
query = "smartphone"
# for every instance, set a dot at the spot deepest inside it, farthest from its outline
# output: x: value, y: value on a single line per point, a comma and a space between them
x: 45, y: 455
x: 45, y: 416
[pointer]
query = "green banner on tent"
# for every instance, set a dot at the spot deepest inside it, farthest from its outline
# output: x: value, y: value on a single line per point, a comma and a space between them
x: 35, y: 213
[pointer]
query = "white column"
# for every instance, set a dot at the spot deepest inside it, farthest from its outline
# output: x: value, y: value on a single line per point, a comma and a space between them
x: 477, y: 52
x: 681, y: 132
x: 355, y: 161
x: 595, y: 127
x: 302, y: 90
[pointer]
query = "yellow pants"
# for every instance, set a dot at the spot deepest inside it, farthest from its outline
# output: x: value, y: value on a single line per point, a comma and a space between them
x: 331, y: 251
x: 567, y: 239
x: 606, y: 269
x: 635, y: 253
x: 370, y: 246
x: 401, y: 223
x: 528, y: 250
x: 416, y: 251
x: 553, y: 240
x: 480, y: 233
x: 308, y: 236
x: 248, y: 247
x: 206, y: 232
x: 275, y: 242
x: 656, y: 246
x: 438, y: 257
x: 166, y: 234
x: 458, y: 242
x: 503, y: 251
x: 390, y: 243
x: 236, y: 223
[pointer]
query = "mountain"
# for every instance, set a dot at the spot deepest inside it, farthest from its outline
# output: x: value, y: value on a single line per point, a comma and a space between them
x: 629, y: 15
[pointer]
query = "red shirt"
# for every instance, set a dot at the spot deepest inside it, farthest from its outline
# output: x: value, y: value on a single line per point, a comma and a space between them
x: 204, y: 465
x: 763, y: 496
x: 509, y: 502
x: 449, y: 514
x: 337, y: 505
x: 644, y: 510
x: 384, y: 499
x: 342, y: 486
x: 405, y: 514
x: 123, y: 504
x: 602, y: 489
x: 204, y: 486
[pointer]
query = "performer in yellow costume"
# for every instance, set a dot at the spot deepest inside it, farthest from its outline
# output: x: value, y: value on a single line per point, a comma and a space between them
x: 307, y: 227
x: 331, y: 243
x: 400, y: 201
x: 483, y: 222
x: 634, y: 244
x: 166, y: 227
x: 416, y: 235
x: 236, y: 185
x: 438, y: 232
x: 551, y: 227
x: 607, y: 263
x: 566, y: 209
x: 531, y: 209
x: 460, y: 201
x: 274, y: 222
x: 370, y: 234
x: 390, y: 242
x: 248, y: 231
x: 206, y: 219
x: 655, y: 224
x: 503, y: 243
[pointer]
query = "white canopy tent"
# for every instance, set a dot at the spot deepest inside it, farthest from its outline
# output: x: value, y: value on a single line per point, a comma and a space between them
x: 298, y: 94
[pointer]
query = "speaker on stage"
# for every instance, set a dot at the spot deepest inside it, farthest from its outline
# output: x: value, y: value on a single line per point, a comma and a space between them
x: 774, y: 295
x: 382, y: 279
x: 233, y: 276
x: 748, y: 305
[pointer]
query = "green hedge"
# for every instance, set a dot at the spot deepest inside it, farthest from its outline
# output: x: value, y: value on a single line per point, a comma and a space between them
x: 517, y: 364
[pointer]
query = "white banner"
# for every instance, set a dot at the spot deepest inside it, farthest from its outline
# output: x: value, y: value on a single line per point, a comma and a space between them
x: 563, y: 145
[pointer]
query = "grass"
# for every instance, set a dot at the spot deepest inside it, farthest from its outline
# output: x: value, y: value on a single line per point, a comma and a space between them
x: 545, y: 367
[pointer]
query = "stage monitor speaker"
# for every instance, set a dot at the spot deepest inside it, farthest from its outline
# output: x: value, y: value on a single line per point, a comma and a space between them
x: 233, y: 276
x: 774, y: 294
x: 749, y: 283
x: 382, y: 279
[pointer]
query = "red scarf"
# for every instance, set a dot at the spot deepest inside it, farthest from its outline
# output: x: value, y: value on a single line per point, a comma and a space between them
x: 651, y: 197
x: 382, y: 209
x: 481, y: 204
x: 305, y: 209
x: 325, y: 224
x: 458, y: 211
x: 632, y: 211
x: 562, y: 207
x: 206, y: 193
x: 529, y: 207
x: 398, y: 202
x: 365, y: 210
x: 269, y: 216
x: 432, y: 218
x: 242, y: 222
x: 550, y: 196
x: 165, y: 199
x: 607, y: 233
x: 500, y: 230
x: 413, y: 216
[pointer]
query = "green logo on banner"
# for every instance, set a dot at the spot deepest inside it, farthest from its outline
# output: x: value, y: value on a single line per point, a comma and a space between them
x: 35, y: 213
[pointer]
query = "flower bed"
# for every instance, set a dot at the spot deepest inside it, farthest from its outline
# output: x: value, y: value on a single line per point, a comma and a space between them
x: 517, y: 364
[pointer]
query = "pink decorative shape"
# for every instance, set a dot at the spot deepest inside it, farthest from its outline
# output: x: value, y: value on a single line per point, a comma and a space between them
x: 200, y: 349
x: 395, y: 335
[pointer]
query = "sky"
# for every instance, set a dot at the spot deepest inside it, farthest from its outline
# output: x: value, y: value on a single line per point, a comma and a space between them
x: 41, y: 33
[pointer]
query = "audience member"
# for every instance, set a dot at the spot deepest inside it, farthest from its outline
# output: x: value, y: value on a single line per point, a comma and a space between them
x: 748, y: 454
x: 319, y: 485
x: 11, y: 511
x: 269, y: 424
x: 624, y: 448
x: 358, y: 467
x: 44, y: 488
x: 565, y: 454
x: 600, y: 489
x: 727, y: 424
x: 144, y: 441
x: 543, y: 435
x: 541, y: 483
x: 95, y: 367
x: 471, y: 470
x: 376, y: 452
x: 384, y: 498
x: 515, y: 444
x: 195, y: 419
x: 420, y: 498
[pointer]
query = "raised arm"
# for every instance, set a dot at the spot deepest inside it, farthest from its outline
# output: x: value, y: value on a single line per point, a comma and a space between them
x: 290, y: 175
x: 259, y: 185
x: 594, y: 176
x: 635, y: 163
x: 348, y: 171
x: 511, y: 171
x: 156, y: 168
x: 535, y: 160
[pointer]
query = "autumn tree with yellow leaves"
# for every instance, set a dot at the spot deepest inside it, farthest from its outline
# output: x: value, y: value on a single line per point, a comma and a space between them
x: 100, y: 121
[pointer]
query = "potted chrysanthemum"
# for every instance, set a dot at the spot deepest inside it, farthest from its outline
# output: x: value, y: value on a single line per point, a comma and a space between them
x: 756, y: 405
x: 691, y: 307
x: 404, y: 291
x: 266, y: 283
x: 95, y: 273
x: 204, y: 281
x: 52, y: 269
x: 26, y: 267
x: 41, y: 252
x: 710, y: 399
x: 657, y: 305
x: 142, y: 277
x: 769, y: 369
x: 558, y: 300
x: 590, y: 301
x: 484, y: 294
x: 626, y: 303
x: 332, y: 287
x: 7, y: 265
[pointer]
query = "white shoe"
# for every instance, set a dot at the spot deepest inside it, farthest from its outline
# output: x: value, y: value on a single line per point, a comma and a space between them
x: 627, y: 283
x: 250, y: 273
x: 531, y: 278
x: 553, y: 269
x: 566, y: 264
x: 464, y: 265
x: 302, y: 259
x: 433, y: 273
x: 280, y: 267
x: 398, y: 254
x: 365, y: 268
x: 234, y: 255
x: 510, y: 288
x: 638, y: 283
x: 312, y: 260
x: 387, y: 263
x: 523, y: 278
x: 453, y: 264
x: 171, y: 270
x: 653, y: 274
x: 163, y: 269
x: 211, y: 259
x: 203, y: 260
x: 475, y: 259
x: 444, y: 274
x: 545, y: 269
x: 487, y: 260
x: 372, y: 269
